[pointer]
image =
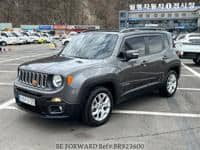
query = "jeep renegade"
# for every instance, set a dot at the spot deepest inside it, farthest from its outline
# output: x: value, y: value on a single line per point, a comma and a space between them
x: 95, y: 71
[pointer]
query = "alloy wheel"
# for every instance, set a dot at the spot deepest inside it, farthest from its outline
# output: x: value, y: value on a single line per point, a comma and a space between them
x: 101, y: 106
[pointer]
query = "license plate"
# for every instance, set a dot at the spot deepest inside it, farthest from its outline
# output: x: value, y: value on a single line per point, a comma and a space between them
x: 27, y: 100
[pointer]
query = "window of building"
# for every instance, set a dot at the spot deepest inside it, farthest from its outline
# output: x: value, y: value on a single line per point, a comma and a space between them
x: 162, y: 15
x: 122, y: 23
x: 155, y: 44
x: 140, y: 15
x: 176, y: 14
x: 136, y: 43
x: 169, y: 15
x: 123, y: 14
x: 155, y: 15
x: 148, y: 15
x: 183, y: 14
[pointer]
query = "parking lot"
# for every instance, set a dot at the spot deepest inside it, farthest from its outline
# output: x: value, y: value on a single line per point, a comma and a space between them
x: 158, y: 123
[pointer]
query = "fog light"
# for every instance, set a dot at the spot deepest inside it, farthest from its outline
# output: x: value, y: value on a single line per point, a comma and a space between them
x: 55, y: 109
x: 56, y: 100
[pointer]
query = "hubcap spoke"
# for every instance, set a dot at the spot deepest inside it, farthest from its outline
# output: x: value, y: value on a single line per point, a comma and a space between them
x: 100, y: 107
x: 171, y: 83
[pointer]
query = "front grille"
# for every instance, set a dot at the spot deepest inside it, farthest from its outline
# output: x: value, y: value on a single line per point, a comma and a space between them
x: 34, y: 79
x: 195, y: 41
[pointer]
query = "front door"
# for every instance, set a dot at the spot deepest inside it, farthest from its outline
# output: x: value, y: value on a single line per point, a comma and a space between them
x: 133, y: 73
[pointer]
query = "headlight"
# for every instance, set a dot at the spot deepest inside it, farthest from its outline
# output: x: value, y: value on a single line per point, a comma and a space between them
x: 57, y: 81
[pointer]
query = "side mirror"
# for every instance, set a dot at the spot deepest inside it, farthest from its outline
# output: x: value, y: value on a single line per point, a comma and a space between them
x: 131, y: 54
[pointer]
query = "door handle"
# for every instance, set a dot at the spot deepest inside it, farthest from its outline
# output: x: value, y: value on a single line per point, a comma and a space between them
x: 144, y: 63
x: 165, y: 57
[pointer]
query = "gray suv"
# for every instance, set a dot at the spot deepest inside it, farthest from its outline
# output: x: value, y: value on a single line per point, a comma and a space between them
x: 95, y: 71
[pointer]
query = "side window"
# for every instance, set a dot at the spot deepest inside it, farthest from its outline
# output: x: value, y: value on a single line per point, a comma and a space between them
x: 166, y: 42
x: 155, y: 44
x: 135, y: 43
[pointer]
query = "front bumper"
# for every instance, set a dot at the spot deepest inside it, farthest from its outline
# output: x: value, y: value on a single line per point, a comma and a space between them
x: 43, y: 105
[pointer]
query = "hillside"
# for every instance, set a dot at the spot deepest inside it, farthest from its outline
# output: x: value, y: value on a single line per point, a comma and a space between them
x: 101, y: 12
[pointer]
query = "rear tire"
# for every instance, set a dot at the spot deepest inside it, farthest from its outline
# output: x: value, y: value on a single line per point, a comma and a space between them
x: 169, y: 87
x: 196, y: 60
x: 98, y: 107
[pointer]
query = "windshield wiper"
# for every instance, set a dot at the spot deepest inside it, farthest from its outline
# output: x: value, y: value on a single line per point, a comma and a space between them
x: 78, y: 57
x: 81, y: 57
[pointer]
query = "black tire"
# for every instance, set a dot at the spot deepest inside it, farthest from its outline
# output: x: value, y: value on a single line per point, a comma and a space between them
x: 87, y: 116
x: 196, y: 60
x: 164, y: 91
x: 66, y: 43
x: 3, y: 43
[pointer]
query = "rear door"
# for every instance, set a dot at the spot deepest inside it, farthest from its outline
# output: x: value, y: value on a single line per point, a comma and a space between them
x: 156, y: 57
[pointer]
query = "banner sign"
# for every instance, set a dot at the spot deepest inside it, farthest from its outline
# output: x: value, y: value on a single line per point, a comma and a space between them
x: 4, y: 26
x: 30, y: 27
x: 59, y: 27
x: 163, y: 6
x: 45, y: 27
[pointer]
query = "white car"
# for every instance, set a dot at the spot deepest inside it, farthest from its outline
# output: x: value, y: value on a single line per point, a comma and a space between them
x: 9, y: 38
x: 3, y: 41
x: 47, y: 37
x: 65, y: 41
x: 188, y: 46
x: 20, y: 38
x: 28, y: 37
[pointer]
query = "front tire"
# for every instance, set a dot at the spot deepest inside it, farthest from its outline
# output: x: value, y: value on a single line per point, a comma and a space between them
x: 3, y: 43
x: 169, y: 87
x: 98, y: 107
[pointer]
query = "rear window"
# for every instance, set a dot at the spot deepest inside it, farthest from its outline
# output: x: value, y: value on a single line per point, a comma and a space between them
x: 155, y: 44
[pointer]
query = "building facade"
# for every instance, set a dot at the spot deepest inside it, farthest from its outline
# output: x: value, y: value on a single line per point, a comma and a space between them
x: 172, y: 16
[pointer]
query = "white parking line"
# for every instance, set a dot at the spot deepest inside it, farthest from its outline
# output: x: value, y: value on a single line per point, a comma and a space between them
x: 18, y: 58
x: 166, y: 114
x: 11, y: 64
x: 191, y: 70
x: 11, y: 108
x: 7, y: 71
x: 6, y: 84
x: 187, y: 75
x: 6, y: 104
x: 189, y: 89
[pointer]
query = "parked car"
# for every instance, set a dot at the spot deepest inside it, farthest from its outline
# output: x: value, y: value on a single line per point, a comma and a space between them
x: 188, y: 46
x: 65, y: 41
x: 3, y: 41
x: 95, y: 71
x: 9, y: 38
x: 34, y: 38
x: 28, y: 37
x: 20, y: 38
x: 40, y: 38
x: 47, y: 37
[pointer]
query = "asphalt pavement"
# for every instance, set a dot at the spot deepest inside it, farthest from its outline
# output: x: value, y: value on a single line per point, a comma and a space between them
x: 156, y: 122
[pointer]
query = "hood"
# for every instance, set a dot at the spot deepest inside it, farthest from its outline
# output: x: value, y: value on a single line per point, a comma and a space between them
x: 59, y: 65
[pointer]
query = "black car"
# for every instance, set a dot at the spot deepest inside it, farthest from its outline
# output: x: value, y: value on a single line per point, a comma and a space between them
x: 95, y: 71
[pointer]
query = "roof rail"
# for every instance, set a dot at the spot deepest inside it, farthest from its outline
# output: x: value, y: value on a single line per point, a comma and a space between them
x: 140, y: 29
x: 101, y: 30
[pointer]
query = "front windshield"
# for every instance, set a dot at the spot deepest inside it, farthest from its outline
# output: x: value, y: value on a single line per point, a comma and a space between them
x: 10, y: 34
x: 90, y: 45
